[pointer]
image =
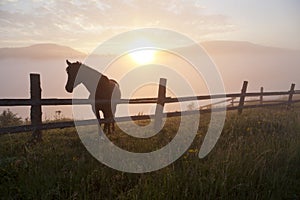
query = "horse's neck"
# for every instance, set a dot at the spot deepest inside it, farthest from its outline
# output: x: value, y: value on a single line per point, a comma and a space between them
x: 90, y: 79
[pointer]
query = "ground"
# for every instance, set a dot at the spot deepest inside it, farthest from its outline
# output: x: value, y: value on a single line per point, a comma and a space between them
x: 256, y: 157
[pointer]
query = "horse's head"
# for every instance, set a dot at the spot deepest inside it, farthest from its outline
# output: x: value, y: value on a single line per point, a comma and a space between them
x: 72, y: 71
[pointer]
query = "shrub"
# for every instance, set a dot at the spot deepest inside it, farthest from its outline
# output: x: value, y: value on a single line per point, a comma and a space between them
x: 8, y: 118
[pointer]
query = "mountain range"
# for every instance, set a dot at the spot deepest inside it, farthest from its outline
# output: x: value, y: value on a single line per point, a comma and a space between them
x: 42, y: 51
x: 242, y: 47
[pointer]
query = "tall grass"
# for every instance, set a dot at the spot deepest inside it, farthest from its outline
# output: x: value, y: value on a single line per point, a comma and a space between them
x: 256, y: 157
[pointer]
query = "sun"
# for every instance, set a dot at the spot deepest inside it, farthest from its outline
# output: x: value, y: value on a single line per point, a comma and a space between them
x: 144, y: 56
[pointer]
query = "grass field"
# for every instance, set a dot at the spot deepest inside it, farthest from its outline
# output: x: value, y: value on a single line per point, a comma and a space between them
x: 256, y: 157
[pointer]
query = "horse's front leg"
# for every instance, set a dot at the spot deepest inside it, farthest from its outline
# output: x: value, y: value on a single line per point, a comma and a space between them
x: 112, y: 114
x: 113, y: 126
x: 97, y: 114
x: 106, y: 124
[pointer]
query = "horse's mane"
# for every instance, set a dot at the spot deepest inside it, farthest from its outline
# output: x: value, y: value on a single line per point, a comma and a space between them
x: 89, y: 68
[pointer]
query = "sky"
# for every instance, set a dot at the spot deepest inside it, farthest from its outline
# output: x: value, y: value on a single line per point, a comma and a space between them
x: 84, y: 25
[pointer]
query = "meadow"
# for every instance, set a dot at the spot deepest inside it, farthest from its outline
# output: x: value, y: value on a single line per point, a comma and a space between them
x: 256, y: 157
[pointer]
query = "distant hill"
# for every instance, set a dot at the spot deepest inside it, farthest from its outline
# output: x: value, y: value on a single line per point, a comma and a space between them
x: 242, y: 47
x: 40, y: 51
x: 271, y: 67
x: 238, y: 49
x: 50, y: 51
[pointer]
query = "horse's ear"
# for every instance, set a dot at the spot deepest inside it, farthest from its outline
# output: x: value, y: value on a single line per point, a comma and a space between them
x: 68, y: 62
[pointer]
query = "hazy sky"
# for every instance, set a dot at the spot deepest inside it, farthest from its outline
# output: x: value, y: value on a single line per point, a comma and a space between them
x: 85, y: 24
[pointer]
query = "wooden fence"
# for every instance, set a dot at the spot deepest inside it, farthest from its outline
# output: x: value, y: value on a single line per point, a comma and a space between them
x: 36, y: 103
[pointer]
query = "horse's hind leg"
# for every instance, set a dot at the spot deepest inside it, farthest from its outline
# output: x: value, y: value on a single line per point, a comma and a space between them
x: 109, y: 127
x: 113, y: 124
x: 109, y: 124
x: 112, y: 114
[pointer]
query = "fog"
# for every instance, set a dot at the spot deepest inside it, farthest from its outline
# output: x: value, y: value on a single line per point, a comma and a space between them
x: 274, y: 70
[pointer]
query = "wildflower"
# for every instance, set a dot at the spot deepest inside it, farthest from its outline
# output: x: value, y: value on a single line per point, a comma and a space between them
x: 193, y: 150
x: 75, y: 158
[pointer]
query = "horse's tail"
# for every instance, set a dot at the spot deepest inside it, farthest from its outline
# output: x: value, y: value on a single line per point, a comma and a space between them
x: 117, y: 94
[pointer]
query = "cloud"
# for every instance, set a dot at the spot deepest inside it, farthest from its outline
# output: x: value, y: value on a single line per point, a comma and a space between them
x: 90, y: 22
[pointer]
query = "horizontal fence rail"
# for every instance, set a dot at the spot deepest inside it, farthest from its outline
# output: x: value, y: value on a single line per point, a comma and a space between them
x: 68, y: 124
x: 36, y: 102
x: 64, y: 102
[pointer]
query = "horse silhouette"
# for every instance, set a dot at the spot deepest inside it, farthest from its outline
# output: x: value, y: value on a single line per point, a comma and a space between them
x: 99, y: 87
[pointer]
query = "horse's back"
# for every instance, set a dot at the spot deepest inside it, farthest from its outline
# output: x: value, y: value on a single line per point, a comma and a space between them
x: 110, y: 90
x: 112, y: 81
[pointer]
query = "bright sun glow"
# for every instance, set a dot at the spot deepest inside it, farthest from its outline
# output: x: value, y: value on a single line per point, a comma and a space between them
x: 142, y: 56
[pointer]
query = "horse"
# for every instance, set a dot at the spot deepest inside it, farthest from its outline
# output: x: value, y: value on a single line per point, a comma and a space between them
x: 99, y: 86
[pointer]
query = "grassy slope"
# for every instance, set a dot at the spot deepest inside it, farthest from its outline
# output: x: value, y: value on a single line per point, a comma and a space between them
x: 257, y: 157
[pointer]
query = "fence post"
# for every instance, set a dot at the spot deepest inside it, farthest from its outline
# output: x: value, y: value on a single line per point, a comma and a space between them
x: 36, y: 109
x: 261, y: 98
x: 160, y: 104
x: 242, y: 97
x: 291, y: 93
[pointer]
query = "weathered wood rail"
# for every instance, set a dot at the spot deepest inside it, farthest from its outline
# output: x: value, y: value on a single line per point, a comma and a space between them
x: 36, y: 103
